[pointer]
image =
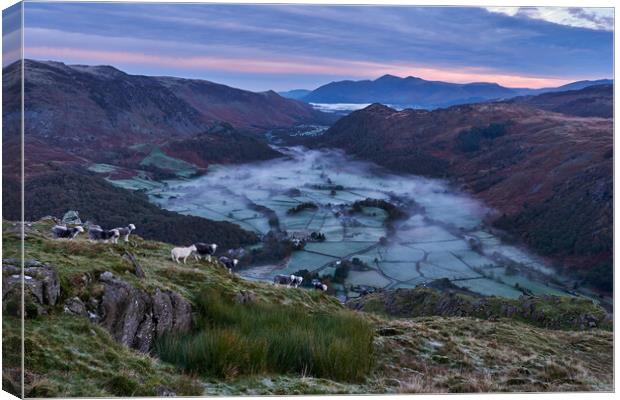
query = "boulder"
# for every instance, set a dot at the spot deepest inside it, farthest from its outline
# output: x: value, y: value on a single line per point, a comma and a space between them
x: 136, y: 318
x: 40, y: 284
x: 171, y: 312
x: 75, y: 306
x: 36, y: 273
x: 71, y: 217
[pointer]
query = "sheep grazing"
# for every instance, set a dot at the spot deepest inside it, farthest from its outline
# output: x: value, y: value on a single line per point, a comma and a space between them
x: 126, y: 231
x: 228, y: 263
x: 297, y: 280
x: 60, y: 231
x: 318, y: 285
x: 282, y: 279
x: 182, y: 252
x: 96, y: 234
x: 204, y: 249
x: 288, y: 280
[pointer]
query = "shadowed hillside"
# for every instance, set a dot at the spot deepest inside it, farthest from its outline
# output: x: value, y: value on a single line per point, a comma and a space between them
x: 592, y: 101
x: 92, y: 108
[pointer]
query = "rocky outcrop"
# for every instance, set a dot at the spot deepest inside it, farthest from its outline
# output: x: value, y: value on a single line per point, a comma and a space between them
x: 40, y: 284
x: 75, y: 306
x: 551, y: 312
x: 136, y: 318
x: 72, y: 217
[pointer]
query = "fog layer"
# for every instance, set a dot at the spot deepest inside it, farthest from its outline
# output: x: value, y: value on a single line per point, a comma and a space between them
x: 443, y: 235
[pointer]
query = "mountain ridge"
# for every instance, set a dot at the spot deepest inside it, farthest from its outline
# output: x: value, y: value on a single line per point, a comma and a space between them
x: 416, y: 92
x: 110, y: 103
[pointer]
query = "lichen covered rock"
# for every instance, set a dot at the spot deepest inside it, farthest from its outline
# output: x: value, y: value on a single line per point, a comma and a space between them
x: 136, y: 318
x: 41, y: 287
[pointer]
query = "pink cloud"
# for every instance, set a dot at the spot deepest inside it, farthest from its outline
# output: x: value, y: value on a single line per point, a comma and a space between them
x: 355, y: 69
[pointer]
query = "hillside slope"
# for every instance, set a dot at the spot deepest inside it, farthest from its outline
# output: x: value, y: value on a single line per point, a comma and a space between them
x: 68, y: 355
x: 578, y: 85
x: 98, y: 107
x: 221, y: 144
x: 549, y: 175
x: 592, y: 101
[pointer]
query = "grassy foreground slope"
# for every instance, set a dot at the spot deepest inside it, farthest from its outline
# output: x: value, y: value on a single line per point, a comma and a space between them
x: 68, y: 355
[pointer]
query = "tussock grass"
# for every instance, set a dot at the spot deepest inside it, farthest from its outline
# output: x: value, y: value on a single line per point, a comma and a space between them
x: 245, y: 339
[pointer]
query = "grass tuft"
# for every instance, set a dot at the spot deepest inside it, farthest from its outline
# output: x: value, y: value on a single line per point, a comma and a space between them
x: 246, y: 339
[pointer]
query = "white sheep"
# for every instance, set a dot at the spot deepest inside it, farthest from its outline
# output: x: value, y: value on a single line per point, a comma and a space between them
x: 182, y: 252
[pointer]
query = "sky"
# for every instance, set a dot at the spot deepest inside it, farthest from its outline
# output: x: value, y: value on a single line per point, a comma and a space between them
x: 282, y: 47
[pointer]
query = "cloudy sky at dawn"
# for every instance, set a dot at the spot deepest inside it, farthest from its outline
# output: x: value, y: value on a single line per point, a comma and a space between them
x: 282, y: 47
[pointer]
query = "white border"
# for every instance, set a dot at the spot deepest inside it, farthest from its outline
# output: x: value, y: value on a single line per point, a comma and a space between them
x: 481, y: 3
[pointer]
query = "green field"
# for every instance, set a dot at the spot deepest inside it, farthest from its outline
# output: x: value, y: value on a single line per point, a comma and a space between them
x: 159, y: 159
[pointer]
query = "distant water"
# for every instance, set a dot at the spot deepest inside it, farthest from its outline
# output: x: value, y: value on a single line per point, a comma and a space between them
x: 443, y: 237
x: 347, y: 108
x: 339, y: 108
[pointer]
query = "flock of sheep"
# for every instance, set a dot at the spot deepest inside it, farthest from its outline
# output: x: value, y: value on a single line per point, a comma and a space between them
x: 199, y: 250
x: 95, y: 232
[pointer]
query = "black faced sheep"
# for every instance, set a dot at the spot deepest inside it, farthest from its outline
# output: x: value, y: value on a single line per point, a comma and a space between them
x: 182, y: 252
x: 126, y: 231
x: 60, y: 231
x: 95, y: 234
x: 297, y: 280
x: 288, y: 280
x: 282, y: 279
x: 318, y: 285
x: 228, y: 263
x: 204, y: 249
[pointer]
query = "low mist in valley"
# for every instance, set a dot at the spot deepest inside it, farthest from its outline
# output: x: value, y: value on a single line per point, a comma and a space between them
x: 440, y: 234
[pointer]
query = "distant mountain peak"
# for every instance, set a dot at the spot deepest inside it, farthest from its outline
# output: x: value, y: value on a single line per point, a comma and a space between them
x: 378, y: 107
x: 409, y: 92
x: 414, y: 92
x: 388, y: 77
